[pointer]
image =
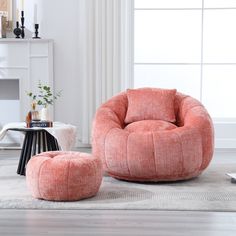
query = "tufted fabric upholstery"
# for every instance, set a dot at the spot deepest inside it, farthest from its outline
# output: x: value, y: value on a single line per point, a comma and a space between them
x: 63, y: 176
x: 157, y: 151
x: 149, y: 125
x: 143, y: 105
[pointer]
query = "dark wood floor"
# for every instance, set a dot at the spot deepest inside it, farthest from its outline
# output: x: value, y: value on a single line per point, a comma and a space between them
x: 119, y: 222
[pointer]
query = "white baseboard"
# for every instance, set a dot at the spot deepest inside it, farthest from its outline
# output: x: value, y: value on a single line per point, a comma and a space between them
x: 82, y: 145
x: 225, y: 134
x: 225, y: 143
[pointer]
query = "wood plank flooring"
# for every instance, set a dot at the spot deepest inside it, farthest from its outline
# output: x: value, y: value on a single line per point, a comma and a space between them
x: 119, y: 222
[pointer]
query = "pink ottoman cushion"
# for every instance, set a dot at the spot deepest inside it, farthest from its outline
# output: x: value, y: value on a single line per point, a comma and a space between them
x: 63, y: 176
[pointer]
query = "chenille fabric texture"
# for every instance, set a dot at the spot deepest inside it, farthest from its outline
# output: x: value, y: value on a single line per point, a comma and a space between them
x: 143, y: 105
x: 63, y: 176
x: 153, y: 149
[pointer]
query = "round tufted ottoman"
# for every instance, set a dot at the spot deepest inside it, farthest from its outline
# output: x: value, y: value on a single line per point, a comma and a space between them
x: 63, y: 176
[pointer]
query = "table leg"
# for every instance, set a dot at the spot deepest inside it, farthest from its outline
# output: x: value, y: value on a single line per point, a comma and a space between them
x: 25, y: 153
x: 22, y: 155
x: 34, y: 145
x: 45, y: 142
x: 52, y: 144
x: 56, y: 144
x: 49, y: 144
x: 29, y: 149
x: 39, y: 137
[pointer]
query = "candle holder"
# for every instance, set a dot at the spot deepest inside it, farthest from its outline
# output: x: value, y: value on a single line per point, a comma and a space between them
x: 17, y: 30
x: 36, y: 26
x: 22, y: 24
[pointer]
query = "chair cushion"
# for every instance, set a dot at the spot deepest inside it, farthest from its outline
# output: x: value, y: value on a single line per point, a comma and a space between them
x: 149, y: 126
x: 150, y: 104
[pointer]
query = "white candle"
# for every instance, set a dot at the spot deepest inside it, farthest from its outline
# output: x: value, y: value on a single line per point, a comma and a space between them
x: 17, y: 15
x: 22, y: 5
x: 9, y: 9
x: 35, y: 14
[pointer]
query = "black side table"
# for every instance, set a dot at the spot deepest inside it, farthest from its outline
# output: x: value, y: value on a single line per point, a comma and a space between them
x: 35, y: 141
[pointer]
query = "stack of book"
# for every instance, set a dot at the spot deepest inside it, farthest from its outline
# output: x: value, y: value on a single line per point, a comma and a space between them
x: 39, y: 123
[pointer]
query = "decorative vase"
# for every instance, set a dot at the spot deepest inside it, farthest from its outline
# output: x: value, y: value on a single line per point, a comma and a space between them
x: 34, y: 112
x: 3, y: 28
x: 45, y: 114
x: 17, y: 30
x: 35, y: 115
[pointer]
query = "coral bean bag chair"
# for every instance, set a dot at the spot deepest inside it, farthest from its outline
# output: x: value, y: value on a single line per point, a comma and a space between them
x: 152, y: 134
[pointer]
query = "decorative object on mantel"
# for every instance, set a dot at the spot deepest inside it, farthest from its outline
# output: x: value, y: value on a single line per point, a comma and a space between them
x: 22, y: 24
x: 36, y: 26
x: 3, y: 27
x: 17, y: 30
x: 5, y: 17
x: 44, y: 98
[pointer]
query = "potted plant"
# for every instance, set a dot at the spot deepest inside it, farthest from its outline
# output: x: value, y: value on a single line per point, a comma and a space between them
x: 45, y: 97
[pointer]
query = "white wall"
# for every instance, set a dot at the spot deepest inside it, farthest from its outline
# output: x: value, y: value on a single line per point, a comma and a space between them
x: 58, y: 21
x: 89, y: 36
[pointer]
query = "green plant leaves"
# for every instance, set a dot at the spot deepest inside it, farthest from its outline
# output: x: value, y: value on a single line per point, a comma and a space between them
x: 45, y: 96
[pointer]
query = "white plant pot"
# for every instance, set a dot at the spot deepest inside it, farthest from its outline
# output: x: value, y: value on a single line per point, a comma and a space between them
x: 45, y: 114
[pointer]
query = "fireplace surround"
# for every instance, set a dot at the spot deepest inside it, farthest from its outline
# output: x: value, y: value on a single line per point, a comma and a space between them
x: 23, y: 62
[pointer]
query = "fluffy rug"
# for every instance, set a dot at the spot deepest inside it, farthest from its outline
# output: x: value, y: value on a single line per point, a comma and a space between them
x: 212, y: 191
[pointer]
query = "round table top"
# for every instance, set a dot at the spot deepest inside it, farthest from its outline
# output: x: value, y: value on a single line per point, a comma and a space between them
x: 64, y: 133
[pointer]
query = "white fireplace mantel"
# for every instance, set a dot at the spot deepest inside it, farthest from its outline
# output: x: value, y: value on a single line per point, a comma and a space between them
x: 28, y: 61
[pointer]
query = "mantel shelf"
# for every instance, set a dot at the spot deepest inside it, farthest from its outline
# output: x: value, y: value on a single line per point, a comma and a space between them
x: 26, y: 40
